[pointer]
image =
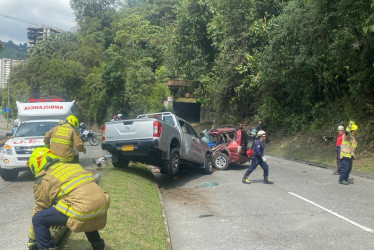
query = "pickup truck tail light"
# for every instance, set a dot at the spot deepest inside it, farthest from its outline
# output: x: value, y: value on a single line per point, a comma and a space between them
x: 103, y: 133
x: 156, y: 129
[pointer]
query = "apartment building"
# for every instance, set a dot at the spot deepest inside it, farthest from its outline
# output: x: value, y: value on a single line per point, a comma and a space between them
x: 6, y: 66
x: 37, y: 34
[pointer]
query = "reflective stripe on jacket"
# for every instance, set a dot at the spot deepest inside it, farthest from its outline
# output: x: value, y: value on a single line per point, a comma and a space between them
x: 349, y: 144
x: 61, y: 140
x: 73, y: 192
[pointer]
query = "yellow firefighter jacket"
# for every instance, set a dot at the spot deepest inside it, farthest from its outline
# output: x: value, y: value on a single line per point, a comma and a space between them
x: 73, y: 192
x: 349, y: 145
x: 61, y: 140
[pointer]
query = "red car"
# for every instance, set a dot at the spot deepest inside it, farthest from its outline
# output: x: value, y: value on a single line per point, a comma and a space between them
x: 230, y: 146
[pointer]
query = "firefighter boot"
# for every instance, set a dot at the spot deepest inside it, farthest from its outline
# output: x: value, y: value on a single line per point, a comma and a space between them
x: 245, y: 179
x: 100, y: 245
x: 267, y: 180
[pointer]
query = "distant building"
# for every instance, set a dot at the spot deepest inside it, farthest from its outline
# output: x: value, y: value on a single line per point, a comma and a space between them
x: 6, y: 65
x: 36, y: 35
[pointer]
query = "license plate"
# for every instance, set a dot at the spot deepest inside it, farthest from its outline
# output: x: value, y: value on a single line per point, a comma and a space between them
x: 127, y: 147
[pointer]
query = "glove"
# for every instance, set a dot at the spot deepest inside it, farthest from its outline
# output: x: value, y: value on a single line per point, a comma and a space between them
x: 31, y: 245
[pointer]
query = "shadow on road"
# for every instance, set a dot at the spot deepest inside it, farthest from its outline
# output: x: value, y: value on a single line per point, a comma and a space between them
x: 187, y: 174
x: 24, y: 176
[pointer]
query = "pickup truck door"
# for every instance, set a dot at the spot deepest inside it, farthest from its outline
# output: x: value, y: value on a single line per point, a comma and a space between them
x: 197, y: 146
x: 186, y: 142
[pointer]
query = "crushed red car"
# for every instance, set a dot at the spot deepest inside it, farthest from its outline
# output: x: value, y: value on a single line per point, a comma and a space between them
x: 230, y: 145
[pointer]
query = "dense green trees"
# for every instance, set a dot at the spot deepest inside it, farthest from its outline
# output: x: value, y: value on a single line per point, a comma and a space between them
x: 299, y: 65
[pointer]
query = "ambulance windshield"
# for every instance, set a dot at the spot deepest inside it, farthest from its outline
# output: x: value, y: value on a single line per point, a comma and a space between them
x: 34, y: 128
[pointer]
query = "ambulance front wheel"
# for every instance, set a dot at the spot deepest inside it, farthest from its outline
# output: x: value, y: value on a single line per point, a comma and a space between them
x: 8, y: 174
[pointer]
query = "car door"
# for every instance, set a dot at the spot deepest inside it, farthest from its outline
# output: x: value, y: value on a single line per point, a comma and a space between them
x: 233, y: 146
x: 198, y: 153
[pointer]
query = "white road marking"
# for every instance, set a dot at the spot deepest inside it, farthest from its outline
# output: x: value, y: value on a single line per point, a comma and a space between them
x: 333, y: 213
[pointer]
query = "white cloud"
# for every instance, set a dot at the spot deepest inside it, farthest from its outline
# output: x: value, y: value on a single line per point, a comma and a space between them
x: 54, y: 13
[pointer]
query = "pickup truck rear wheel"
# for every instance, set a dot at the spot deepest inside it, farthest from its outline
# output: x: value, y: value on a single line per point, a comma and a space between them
x: 221, y: 161
x: 173, y: 162
x: 121, y: 163
x: 8, y: 174
x: 208, y: 164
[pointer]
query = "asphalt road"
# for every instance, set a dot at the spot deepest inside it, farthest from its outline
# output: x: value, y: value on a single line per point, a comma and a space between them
x: 305, y: 208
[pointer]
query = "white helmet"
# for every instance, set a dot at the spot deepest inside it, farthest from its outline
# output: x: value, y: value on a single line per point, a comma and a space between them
x: 261, y: 133
x: 16, y: 122
x: 340, y: 128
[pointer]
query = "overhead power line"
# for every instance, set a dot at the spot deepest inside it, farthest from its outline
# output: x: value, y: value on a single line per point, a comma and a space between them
x: 29, y: 22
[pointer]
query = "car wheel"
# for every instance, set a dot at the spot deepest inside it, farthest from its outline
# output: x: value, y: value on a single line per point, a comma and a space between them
x: 208, y: 164
x: 221, y: 161
x: 121, y: 163
x: 173, y: 162
x: 9, y: 175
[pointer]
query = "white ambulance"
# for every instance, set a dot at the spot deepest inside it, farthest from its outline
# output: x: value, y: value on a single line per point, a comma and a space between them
x: 36, y: 117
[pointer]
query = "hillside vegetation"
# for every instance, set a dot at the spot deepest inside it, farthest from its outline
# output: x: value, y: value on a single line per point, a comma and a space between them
x: 301, y: 66
x: 13, y: 51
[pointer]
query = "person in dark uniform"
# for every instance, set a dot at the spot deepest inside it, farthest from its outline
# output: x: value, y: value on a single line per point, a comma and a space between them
x: 258, y: 158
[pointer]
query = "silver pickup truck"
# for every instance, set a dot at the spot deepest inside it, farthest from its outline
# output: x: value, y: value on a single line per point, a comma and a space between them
x: 160, y: 139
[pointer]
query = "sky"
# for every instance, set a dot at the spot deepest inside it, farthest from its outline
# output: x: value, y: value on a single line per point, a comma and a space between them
x: 53, y: 13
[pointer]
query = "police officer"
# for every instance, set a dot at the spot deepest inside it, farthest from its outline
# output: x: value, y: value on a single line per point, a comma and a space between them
x: 347, y: 153
x: 63, y: 138
x: 258, y: 158
x: 65, y: 195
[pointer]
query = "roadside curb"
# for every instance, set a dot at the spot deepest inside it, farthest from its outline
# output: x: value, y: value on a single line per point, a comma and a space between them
x: 164, y: 214
x: 326, y: 166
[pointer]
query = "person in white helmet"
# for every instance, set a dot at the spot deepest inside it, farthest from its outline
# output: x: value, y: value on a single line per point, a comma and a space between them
x: 339, y: 140
x: 258, y: 158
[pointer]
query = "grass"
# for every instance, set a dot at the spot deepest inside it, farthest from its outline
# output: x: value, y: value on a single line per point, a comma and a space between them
x: 135, y: 216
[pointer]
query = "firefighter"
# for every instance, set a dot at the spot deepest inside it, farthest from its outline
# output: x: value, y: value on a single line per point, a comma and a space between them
x: 65, y: 195
x: 63, y: 138
x: 347, y: 153
x: 339, y: 140
x: 258, y: 158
